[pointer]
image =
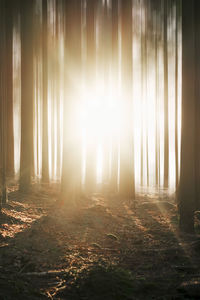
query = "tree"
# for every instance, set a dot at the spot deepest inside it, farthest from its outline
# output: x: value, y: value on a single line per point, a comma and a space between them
x: 166, y: 120
x: 59, y: 81
x: 157, y: 137
x: 71, y: 169
x: 142, y: 99
x: 197, y: 98
x: 106, y: 63
x: 3, y: 106
x: 9, y: 85
x: 90, y: 171
x: 176, y: 93
x: 146, y: 32
x: 115, y: 74
x: 45, y: 160
x: 187, y: 187
x: 26, y: 94
x: 127, y: 183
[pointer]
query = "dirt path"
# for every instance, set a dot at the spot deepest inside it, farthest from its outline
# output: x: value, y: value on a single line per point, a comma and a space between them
x: 105, y: 248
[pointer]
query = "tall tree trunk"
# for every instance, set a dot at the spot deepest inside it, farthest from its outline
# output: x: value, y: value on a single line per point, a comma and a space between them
x: 3, y: 98
x: 176, y: 95
x: 187, y: 192
x: 157, y: 140
x: 58, y: 86
x: 115, y: 75
x: 166, y: 121
x: 9, y: 83
x: 197, y: 97
x: 106, y: 66
x: 127, y: 182
x: 90, y: 172
x: 142, y: 100
x: 146, y: 92
x: 71, y: 171
x: 26, y: 94
x: 45, y: 151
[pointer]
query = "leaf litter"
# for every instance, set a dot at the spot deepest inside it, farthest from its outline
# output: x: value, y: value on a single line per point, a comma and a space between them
x: 105, y: 248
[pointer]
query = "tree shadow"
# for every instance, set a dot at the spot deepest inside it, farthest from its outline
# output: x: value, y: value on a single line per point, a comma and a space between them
x: 59, y: 252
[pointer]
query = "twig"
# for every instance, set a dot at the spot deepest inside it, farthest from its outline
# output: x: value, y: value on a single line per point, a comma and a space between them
x: 52, y: 272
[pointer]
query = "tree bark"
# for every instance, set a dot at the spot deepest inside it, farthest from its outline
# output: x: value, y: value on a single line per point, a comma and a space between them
x: 9, y: 83
x: 45, y: 151
x: 187, y: 192
x: 90, y: 172
x: 197, y: 97
x: 71, y: 170
x: 145, y: 86
x: 115, y: 72
x: 166, y: 121
x: 157, y: 138
x: 176, y: 97
x: 127, y: 182
x: 142, y: 101
x: 26, y: 94
x: 106, y: 69
x: 3, y: 106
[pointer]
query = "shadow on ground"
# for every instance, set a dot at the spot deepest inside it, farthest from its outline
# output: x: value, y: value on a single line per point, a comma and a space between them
x: 106, y: 248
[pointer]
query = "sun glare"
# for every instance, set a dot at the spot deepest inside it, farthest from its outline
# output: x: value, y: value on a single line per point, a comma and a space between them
x: 99, y: 113
x: 99, y: 122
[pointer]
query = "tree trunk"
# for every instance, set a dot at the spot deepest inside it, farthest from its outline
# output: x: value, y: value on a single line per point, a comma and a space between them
x: 127, y: 182
x: 142, y: 100
x: 186, y: 192
x: 71, y: 171
x: 157, y: 138
x: 106, y: 69
x: 176, y: 97
x: 115, y: 72
x: 166, y: 121
x: 197, y: 96
x: 145, y: 86
x: 3, y: 106
x: 26, y: 94
x: 90, y: 172
x: 9, y: 83
x: 45, y: 151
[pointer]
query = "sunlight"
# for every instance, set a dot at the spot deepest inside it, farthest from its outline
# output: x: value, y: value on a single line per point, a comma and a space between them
x: 100, y: 112
x: 99, y: 121
x: 99, y: 101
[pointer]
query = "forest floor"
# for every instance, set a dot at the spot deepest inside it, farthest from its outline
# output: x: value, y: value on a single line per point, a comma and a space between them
x: 104, y: 249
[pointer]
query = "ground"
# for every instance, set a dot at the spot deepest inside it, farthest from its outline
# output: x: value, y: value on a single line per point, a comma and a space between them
x: 102, y: 248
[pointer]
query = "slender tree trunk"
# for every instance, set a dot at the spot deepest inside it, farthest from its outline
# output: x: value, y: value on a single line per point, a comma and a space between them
x: 45, y: 151
x: 187, y: 191
x: 71, y: 171
x: 176, y: 96
x: 9, y: 83
x: 26, y: 94
x: 197, y: 97
x: 58, y: 88
x: 37, y: 57
x: 3, y: 96
x: 90, y: 172
x: 106, y: 66
x: 166, y: 121
x: 115, y: 72
x: 142, y: 101
x: 157, y: 142
x: 146, y: 92
x: 127, y: 182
